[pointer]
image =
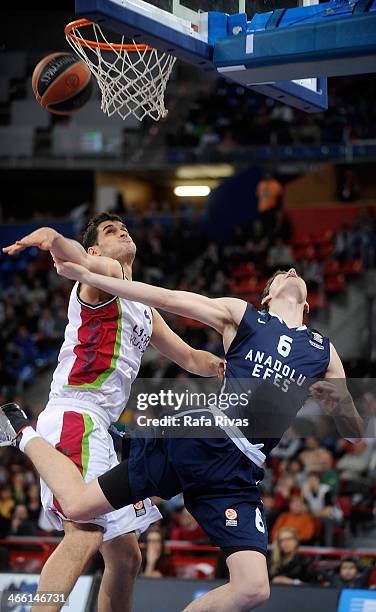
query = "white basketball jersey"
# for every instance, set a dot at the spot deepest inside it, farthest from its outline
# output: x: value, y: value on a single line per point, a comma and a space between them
x: 102, y: 352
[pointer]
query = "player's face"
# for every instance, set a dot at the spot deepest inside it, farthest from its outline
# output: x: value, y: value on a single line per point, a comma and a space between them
x: 114, y: 241
x: 289, y: 284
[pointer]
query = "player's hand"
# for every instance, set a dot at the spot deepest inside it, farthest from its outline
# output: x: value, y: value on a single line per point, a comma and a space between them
x: 42, y: 238
x: 326, y: 394
x: 70, y: 270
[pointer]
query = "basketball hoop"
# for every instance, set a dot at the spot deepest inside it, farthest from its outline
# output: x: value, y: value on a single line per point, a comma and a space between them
x: 132, y: 77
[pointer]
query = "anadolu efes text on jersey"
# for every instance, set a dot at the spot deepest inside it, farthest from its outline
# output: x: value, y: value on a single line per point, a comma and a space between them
x: 275, y: 365
x: 102, y: 352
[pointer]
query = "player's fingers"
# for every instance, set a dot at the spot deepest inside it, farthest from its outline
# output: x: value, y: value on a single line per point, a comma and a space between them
x: 8, y: 248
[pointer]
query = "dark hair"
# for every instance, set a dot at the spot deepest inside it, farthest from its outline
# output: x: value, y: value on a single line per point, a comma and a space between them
x: 265, y: 293
x: 90, y: 233
x: 350, y: 560
x: 316, y: 474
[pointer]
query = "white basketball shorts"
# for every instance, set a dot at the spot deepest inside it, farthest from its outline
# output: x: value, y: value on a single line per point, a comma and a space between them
x: 84, y: 439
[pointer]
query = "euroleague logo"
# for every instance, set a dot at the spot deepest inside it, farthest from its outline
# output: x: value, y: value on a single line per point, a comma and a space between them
x: 139, y: 508
x: 231, y: 517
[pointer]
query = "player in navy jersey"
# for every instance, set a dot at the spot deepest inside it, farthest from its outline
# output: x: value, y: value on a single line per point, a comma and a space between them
x: 269, y: 351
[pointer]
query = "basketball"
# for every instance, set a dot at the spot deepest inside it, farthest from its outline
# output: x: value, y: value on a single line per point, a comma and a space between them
x: 62, y: 83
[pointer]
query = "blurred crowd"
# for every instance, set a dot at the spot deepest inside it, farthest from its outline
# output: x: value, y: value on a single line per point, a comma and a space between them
x: 216, y: 119
x: 313, y: 492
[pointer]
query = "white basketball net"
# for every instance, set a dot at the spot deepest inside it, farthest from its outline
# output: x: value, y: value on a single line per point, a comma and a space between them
x: 131, y: 82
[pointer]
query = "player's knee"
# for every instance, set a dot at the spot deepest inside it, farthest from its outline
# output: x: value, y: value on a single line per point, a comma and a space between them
x: 131, y: 563
x: 123, y: 558
x: 253, y: 594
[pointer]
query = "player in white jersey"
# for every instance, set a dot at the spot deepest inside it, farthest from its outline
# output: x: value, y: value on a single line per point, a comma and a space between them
x: 104, y: 342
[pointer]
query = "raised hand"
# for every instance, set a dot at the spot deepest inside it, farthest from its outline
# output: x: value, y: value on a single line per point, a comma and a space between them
x: 41, y: 238
x: 326, y: 394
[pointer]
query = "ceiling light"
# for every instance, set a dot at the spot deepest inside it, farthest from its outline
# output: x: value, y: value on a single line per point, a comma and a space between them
x: 192, y: 191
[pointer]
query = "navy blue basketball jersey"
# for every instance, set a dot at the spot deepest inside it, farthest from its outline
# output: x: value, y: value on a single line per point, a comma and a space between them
x: 270, y: 368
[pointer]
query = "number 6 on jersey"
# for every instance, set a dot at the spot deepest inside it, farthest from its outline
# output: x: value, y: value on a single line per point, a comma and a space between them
x: 284, y: 345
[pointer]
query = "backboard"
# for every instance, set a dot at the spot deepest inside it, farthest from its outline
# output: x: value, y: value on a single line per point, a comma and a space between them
x: 237, y: 39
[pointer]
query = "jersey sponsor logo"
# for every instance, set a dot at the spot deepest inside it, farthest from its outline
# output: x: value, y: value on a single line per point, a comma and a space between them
x: 317, y: 337
x: 268, y: 367
x: 140, y: 338
x: 318, y: 346
x: 259, y: 522
x: 231, y: 517
x: 261, y: 321
x: 139, y: 508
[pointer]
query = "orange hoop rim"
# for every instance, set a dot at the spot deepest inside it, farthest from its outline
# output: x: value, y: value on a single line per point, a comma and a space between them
x: 93, y: 44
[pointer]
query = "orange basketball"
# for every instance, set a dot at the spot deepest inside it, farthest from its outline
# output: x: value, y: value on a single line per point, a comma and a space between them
x: 62, y: 83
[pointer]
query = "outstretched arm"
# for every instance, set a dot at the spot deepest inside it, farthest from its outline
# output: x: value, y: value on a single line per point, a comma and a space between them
x: 220, y: 313
x: 336, y: 401
x: 174, y: 348
x: 65, y: 249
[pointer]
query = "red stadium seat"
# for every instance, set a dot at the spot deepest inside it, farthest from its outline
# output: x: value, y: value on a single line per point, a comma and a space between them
x: 352, y: 267
x: 324, y: 251
x: 345, y: 504
x: 316, y: 300
x: 244, y: 270
x: 331, y: 267
x: 305, y: 252
x: 335, y: 283
x: 323, y: 239
x: 302, y: 240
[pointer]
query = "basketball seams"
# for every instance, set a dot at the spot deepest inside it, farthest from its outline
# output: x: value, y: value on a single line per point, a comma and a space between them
x: 81, y: 96
x: 67, y: 85
x: 58, y: 93
x: 49, y: 68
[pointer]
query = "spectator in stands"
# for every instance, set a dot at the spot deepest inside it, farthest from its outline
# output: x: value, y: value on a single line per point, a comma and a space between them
x: 288, y: 446
x: 20, y: 524
x: 354, y: 462
x: 285, y: 487
x: 314, y: 458
x: 296, y: 469
x: 322, y: 505
x: 298, y: 518
x: 257, y: 244
x: 269, y: 194
x: 19, y: 488
x: 344, y: 242
x: 280, y: 256
x: 187, y: 528
x: 270, y: 510
x: 350, y: 575
x: 157, y: 560
x: 312, y: 273
x: 7, y: 504
x: 33, y: 502
x: 286, y: 565
x: 22, y: 353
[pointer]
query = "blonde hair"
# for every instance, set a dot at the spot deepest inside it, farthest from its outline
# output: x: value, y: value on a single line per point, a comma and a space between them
x: 277, y: 554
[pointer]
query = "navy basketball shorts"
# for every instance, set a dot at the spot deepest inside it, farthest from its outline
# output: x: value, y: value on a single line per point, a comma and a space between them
x: 218, y: 481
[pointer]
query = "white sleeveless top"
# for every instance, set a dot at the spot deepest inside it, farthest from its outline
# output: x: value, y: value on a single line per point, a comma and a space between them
x: 101, y: 354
